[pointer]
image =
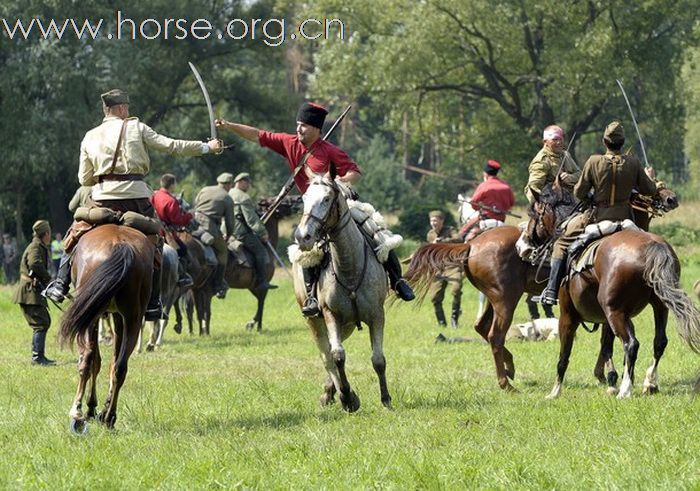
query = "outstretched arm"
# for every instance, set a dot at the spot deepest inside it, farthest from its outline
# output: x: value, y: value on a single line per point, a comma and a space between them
x: 247, y: 132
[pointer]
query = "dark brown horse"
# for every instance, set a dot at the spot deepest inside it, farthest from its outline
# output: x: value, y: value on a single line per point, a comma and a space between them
x: 112, y: 270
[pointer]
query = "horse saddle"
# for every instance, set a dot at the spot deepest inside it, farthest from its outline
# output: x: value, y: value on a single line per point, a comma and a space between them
x: 584, y: 260
x: 238, y: 253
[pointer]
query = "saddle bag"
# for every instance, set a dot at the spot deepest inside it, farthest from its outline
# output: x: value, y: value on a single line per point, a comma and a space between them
x: 96, y: 215
x: 142, y: 223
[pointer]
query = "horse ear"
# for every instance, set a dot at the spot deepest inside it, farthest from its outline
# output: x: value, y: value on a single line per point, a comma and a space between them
x: 535, y: 194
x: 332, y: 171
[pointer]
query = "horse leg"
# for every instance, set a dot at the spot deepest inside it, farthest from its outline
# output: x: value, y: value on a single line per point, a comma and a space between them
x: 96, y: 366
x: 497, y: 337
x: 376, y: 332
x: 320, y: 336
x: 261, y: 305
x: 604, y: 369
x: 155, y: 334
x: 348, y: 398
x: 85, y: 367
x: 328, y: 396
x: 624, y: 328
x: 651, y: 381
x: 568, y: 323
x: 128, y: 329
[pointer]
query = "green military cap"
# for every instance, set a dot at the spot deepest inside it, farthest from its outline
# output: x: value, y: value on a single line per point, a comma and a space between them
x: 436, y: 214
x: 225, y: 178
x: 41, y: 227
x: 614, y: 132
x: 241, y: 176
x: 115, y: 97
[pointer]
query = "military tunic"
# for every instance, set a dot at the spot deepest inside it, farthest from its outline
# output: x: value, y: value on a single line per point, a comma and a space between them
x: 213, y: 206
x: 248, y: 228
x: 543, y: 170
x: 453, y: 276
x: 34, y: 276
x: 612, y: 177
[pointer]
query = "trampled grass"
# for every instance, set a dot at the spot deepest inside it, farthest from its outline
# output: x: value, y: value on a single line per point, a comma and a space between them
x: 240, y: 409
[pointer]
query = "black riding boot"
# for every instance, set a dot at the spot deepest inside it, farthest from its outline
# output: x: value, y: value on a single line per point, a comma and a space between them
x: 58, y: 288
x: 38, y: 346
x: 260, y: 272
x: 548, y: 312
x: 440, y: 315
x: 220, y: 285
x: 184, y: 279
x: 550, y: 294
x: 398, y: 284
x: 310, y: 307
x: 532, y: 308
x: 455, y: 315
x: 154, y: 311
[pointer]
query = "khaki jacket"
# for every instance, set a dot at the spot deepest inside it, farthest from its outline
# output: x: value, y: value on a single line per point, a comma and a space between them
x: 35, y: 260
x: 543, y: 170
x: 447, y: 234
x: 613, y: 177
x: 97, y: 152
x: 213, y: 206
x: 246, y: 217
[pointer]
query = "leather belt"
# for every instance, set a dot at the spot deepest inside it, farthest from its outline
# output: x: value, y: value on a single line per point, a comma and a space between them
x: 120, y: 177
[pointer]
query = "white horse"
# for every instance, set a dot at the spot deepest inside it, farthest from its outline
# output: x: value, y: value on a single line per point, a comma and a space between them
x: 352, y: 287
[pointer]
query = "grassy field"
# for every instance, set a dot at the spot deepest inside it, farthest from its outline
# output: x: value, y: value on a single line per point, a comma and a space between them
x: 240, y: 410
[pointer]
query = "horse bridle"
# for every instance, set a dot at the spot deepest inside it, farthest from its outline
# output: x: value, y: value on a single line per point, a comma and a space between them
x: 342, y: 221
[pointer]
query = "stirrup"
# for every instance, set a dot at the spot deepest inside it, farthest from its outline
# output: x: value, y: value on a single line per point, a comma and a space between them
x: 547, y: 298
x: 155, y: 313
x: 55, y: 291
x: 310, y: 308
x: 185, y: 281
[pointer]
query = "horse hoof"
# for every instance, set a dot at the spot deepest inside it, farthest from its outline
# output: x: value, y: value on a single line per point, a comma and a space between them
x: 78, y: 427
x: 611, y: 391
x: 150, y: 347
x: 352, y: 404
x: 108, y: 422
x: 387, y: 404
x: 650, y: 390
x: 177, y: 328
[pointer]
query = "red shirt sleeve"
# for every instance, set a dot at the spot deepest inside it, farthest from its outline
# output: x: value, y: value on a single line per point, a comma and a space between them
x: 343, y: 162
x: 274, y: 141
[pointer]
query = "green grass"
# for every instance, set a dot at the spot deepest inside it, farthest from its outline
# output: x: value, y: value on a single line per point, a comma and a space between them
x: 240, y: 409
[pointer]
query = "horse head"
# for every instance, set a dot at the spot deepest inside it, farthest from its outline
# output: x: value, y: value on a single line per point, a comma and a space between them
x: 665, y: 199
x: 542, y: 216
x: 322, y: 209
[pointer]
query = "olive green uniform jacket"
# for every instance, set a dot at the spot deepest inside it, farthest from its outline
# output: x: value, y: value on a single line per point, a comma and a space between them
x: 216, y: 206
x: 543, y: 170
x: 35, y: 260
x: 246, y: 221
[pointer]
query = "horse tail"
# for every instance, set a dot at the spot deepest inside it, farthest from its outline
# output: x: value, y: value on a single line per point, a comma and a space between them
x: 430, y: 260
x: 662, y: 273
x: 95, y: 293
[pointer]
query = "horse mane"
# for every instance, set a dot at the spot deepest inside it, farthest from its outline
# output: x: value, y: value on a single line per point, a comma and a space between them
x: 429, y: 260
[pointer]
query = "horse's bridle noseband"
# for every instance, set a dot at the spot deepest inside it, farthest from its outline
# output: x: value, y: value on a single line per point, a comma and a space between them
x: 342, y: 221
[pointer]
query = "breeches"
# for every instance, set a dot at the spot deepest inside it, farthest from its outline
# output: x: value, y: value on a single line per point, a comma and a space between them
x: 220, y: 249
x: 451, y: 277
x: 573, y: 229
x: 37, y: 316
x: 257, y: 248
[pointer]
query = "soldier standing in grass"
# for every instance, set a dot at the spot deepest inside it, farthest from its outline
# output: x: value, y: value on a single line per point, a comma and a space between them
x: 34, y: 276
x: 453, y: 276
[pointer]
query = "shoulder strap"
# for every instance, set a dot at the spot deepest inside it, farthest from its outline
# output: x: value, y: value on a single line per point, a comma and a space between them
x: 119, y: 146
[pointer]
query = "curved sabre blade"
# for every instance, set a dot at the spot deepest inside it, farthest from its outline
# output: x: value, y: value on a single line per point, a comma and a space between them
x: 212, y: 126
x: 634, y: 120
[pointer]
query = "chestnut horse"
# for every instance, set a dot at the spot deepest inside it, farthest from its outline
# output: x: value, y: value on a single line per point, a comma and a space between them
x: 492, y: 265
x: 112, y: 270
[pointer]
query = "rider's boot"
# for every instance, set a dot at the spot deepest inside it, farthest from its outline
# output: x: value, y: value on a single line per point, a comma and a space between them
x: 58, y: 288
x: 261, y: 270
x: 220, y: 285
x: 38, y: 346
x: 398, y: 284
x: 455, y: 315
x: 440, y: 315
x: 310, y: 307
x: 556, y: 274
x: 184, y: 279
x: 154, y: 311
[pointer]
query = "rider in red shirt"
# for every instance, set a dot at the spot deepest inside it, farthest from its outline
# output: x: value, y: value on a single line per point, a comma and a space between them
x: 310, y: 120
x: 172, y: 215
x: 493, y: 198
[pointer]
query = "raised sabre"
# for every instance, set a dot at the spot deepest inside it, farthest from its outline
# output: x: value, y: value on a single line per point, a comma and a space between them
x: 212, y: 125
x: 634, y: 120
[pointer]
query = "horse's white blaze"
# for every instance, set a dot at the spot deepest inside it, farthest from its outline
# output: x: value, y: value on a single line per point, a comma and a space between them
x: 651, y: 379
x: 626, y: 385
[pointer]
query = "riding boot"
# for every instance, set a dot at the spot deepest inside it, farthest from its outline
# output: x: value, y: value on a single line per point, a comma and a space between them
x: 310, y: 307
x: 548, y: 313
x: 556, y: 274
x: 184, y: 279
x: 154, y: 311
x: 261, y: 270
x: 38, y: 346
x: 58, y: 288
x: 455, y: 315
x: 220, y: 285
x: 440, y: 315
x: 398, y: 284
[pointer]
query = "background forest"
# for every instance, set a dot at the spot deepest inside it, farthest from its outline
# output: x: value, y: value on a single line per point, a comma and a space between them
x: 440, y: 86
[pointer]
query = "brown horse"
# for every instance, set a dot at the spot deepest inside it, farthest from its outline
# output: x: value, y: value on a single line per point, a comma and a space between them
x: 112, y: 270
x: 492, y: 265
